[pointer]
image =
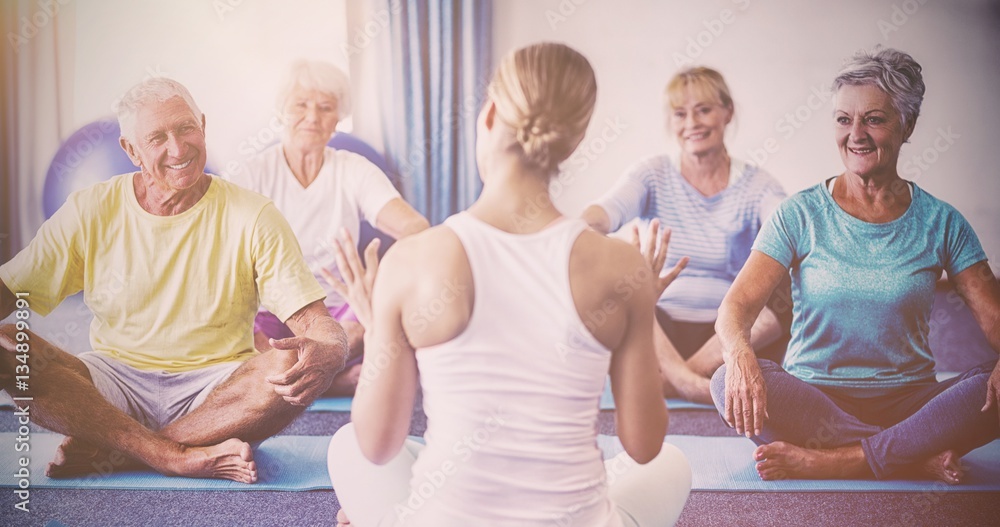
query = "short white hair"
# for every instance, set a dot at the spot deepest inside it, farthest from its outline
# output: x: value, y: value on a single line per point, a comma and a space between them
x: 155, y: 89
x: 892, y: 71
x: 320, y: 76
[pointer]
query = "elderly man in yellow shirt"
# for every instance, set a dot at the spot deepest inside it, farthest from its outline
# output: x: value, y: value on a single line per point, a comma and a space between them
x: 174, y: 381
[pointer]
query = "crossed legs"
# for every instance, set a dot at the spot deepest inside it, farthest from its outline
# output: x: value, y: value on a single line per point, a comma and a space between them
x: 211, y: 441
x: 921, y: 432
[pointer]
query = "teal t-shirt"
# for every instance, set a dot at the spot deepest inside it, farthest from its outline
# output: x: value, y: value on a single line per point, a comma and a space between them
x: 862, y: 292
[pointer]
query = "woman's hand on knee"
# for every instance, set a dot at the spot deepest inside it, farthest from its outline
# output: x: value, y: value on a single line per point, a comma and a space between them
x: 746, y: 395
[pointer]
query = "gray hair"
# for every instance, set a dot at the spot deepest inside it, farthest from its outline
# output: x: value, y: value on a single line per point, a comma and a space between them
x: 892, y: 71
x: 154, y: 89
x: 320, y: 76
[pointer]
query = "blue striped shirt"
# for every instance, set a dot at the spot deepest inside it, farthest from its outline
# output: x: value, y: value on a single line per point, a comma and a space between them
x: 715, y: 231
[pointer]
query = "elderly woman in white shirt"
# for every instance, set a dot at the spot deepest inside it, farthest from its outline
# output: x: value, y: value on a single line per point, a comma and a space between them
x: 323, y: 192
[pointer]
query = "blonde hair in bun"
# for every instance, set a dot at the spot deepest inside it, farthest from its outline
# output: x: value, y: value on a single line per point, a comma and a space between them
x: 546, y: 94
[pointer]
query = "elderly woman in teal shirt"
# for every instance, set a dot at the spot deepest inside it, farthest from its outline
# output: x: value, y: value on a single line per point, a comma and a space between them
x: 857, y: 396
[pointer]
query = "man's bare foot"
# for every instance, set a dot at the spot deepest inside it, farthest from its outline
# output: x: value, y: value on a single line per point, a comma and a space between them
x: 781, y: 460
x: 76, y: 457
x: 345, y: 383
x: 945, y: 467
x: 232, y: 459
x: 342, y: 520
x: 683, y: 383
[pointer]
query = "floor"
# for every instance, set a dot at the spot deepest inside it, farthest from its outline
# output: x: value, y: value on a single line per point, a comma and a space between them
x: 105, y: 508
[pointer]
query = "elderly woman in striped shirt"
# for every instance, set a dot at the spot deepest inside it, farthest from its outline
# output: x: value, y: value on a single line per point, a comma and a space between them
x: 714, y: 206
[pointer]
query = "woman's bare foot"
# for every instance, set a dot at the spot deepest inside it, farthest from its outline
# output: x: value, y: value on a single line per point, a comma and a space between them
x: 342, y: 520
x: 232, y: 459
x: 781, y: 460
x: 76, y: 457
x: 345, y: 383
x: 945, y: 467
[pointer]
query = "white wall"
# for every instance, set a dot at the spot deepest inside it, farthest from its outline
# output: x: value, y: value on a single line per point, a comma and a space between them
x: 775, y: 55
x: 231, y: 54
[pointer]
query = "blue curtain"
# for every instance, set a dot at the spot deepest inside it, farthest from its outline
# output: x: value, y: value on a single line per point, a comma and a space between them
x: 440, y: 67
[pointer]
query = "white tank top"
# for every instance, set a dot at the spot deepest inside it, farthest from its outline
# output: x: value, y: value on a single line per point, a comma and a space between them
x: 512, y: 402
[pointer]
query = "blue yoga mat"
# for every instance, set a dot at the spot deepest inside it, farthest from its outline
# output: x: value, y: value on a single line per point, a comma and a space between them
x: 608, y: 402
x: 726, y: 464
x: 294, y: 463
x: 289, y: 463
x: 331, y: 404
x: 343, y: 404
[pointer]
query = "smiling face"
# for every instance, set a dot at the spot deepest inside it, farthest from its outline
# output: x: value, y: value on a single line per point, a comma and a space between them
x: 699, y: 122
x: 169, y: 144
x: 310, y: 118
x: 869, y: 131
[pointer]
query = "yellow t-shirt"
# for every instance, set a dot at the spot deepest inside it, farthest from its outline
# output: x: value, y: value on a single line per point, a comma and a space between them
x: 171, y: 293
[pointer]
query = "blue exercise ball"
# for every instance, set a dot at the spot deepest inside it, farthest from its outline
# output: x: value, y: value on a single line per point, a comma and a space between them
x: 353, y: 143
x: 91, y: 155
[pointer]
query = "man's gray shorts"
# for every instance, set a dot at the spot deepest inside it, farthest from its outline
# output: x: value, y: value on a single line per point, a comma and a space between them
x: 154, y: 398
